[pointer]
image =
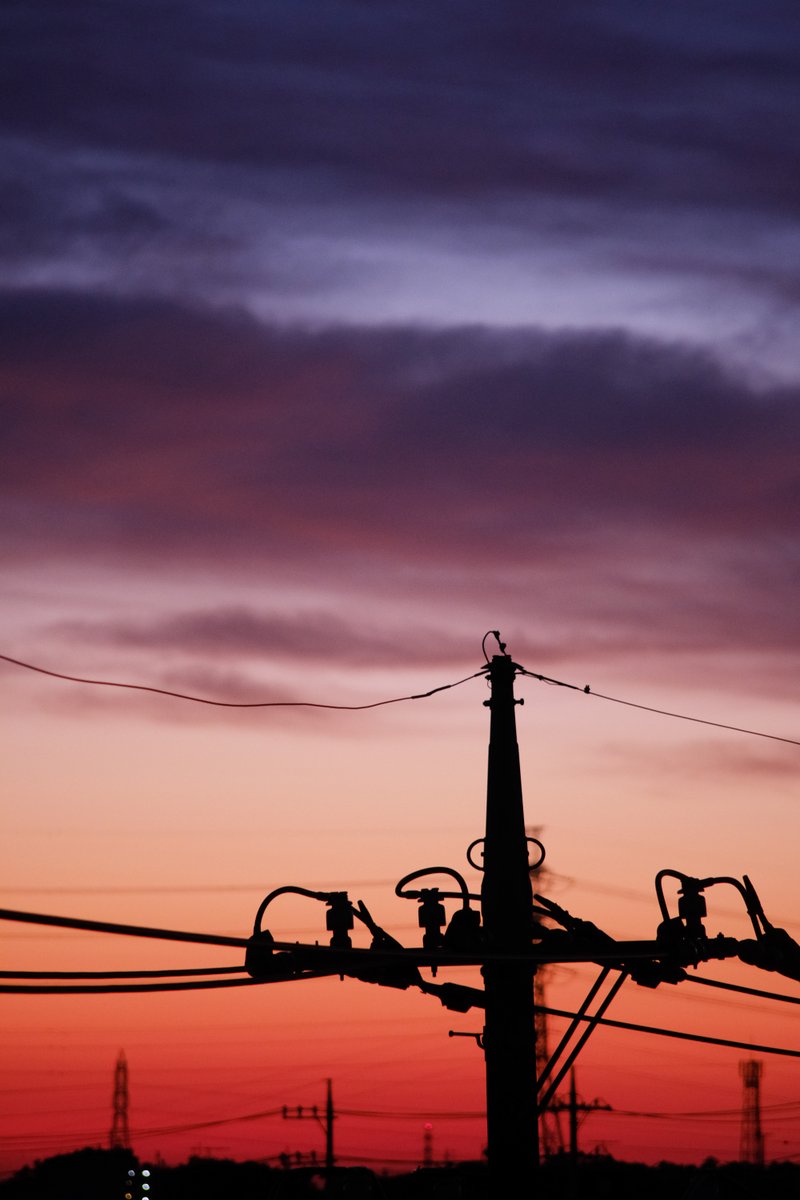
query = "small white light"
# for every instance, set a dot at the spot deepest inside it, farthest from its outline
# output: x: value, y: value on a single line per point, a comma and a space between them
x: 145, y: 1172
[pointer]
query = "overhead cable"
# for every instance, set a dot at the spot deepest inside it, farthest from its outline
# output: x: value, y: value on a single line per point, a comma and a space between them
x: 80, y: 989
x: 140, y: 687
x: 240, y: 704
x: 674, y: 1033
x: 120, y: 974
x: 144, y: 931
x: 662, y: 712
x: 745, y: 991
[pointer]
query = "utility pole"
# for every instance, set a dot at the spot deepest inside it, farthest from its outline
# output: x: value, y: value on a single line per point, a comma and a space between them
x: 573, y: 1119
x: 329, y: 1119
x: 574, y: 1106
x: 506, y: 900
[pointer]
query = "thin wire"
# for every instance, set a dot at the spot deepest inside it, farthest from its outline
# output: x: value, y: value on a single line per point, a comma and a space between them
x: 662, y: 712
x: 417, y: 1116
x: 119, y: 974
x: 675, y: 1033
x: 140, y: 687
x: 80, y: 989
x: 169, y: 935
x: 745, y: 991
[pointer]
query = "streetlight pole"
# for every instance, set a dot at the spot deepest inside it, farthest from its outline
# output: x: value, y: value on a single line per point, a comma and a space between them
x: 506, y: 899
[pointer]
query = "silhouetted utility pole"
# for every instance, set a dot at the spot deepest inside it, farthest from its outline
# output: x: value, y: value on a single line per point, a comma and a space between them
x: 573, y: 1118
x: 506, y: 900
x: 574, y: 1106
x: 301, y: 1113
x: 329, y: 1119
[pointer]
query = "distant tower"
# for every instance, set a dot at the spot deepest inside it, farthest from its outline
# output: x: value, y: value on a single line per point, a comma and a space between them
x: 120, y: 1138
x: 551, y: 1135
x: 427, y: 1144
x: 751, y: 1146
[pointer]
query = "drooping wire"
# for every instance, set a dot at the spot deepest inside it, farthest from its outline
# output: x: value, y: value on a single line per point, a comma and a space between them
x: 140, y: 687
x: 586, y: 689
x: 662, y: 712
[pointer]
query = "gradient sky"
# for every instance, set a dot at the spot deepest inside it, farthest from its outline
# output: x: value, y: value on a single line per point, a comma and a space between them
x: 333, y: 335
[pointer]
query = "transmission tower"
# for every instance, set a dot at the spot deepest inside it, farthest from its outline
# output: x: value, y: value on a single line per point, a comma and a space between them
x: 751, y: 1145
x: 120, y: 1138
x: 551, y: 1135
x: 427, y: 1144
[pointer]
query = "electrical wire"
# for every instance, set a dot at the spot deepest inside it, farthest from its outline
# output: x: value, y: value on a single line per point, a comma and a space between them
x: 586, y: 689
x: 414, y: 956
x: 119, y: 974
x: 194, y: 985
x: 140, y: 687
x: 662, y: 712
x: 169, y: 935
x: 745, y: 991
x: 79, y: 989
x: 674, y: 1033
x: 430, y: 1114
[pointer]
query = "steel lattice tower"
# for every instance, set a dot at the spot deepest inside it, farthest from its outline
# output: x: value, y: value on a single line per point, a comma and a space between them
x: 751, y: 1146
x: 551, y: 1136
x: 120, y: 1138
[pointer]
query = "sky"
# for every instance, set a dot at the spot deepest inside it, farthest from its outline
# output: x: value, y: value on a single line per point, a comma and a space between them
x: 332, y: 336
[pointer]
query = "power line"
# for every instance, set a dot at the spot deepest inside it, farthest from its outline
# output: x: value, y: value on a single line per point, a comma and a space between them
x: 662, y: 712
x: 745, y: 991
x: 144, y: 931
x: 676, y: 1033
x: 140, y: 687
x: 428, y: 1114
x: 195, y: 985
x: 586, y: 690
x: 79, y: 989
x: 119, y: 974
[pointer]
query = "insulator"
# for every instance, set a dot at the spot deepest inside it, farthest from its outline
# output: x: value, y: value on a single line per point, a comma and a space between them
x: 432, y: 917
x: 339, y: 920
x: 463, y: 932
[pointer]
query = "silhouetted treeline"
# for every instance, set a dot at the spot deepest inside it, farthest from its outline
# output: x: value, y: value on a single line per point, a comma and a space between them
x: 110, y: 1174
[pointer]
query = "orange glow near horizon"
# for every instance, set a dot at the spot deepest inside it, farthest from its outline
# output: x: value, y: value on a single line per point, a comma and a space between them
x: 119, y: 816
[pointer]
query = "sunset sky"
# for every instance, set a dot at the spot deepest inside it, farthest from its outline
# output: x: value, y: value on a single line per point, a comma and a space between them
x: 333, y: 335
